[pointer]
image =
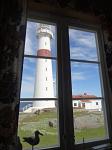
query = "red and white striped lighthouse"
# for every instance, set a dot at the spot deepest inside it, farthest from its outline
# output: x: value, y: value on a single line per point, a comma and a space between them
x: 44, y: 75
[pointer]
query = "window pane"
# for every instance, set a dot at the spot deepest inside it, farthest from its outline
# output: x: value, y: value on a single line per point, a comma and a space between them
x: 35, y: 73
x: 33, y: 42
x: 28, y: 78
x: 44, y: 120
x: 89, y: 123
x: 82, y: 45
x: 85, y: 79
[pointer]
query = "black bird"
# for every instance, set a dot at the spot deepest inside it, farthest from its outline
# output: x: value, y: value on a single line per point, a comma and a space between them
x: 33, y: 140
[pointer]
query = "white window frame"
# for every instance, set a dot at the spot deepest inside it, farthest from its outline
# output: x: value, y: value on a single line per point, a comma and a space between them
x: 66, y: 129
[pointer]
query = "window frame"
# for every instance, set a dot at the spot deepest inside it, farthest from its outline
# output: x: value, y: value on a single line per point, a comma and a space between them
x: 66, y: 129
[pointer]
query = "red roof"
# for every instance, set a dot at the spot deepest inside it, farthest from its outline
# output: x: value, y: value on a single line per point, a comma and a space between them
x: 86, y: 101
x: 85, y: 96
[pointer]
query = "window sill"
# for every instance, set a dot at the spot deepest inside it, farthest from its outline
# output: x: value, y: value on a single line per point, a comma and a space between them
x: 102, y: 147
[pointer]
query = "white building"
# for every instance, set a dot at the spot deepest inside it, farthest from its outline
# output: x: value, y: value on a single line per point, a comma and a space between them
x: 86, y: 103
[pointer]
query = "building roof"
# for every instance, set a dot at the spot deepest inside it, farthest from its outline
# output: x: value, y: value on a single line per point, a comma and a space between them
x: 85, y: 96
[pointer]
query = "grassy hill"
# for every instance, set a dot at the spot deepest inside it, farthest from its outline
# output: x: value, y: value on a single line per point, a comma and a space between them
x: 88, y: 125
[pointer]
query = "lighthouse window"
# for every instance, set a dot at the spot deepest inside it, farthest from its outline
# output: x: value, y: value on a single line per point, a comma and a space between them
x: 46, y: 78
x: 46, y: 69
x: 46, y: 88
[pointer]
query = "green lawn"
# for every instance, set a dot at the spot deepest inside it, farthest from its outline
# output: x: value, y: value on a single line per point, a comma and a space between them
x: 89, y: 134
x: 28, y: 123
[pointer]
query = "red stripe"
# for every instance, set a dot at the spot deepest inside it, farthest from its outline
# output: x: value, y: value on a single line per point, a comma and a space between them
x: 44, y: 53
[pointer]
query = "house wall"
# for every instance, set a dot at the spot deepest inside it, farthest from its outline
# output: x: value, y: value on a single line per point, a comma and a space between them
x: 77, y: 102
x: 88, y: 105
x: 93, y: 106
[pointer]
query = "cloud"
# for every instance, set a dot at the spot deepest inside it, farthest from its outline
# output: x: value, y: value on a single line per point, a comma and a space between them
x: 29, y: 79
x: 27, y: 88
x: 28, y: 45
x: 86, y: 67
x: 78, y: 76
x: 84, y: 38
x: 83, y: 53
x: 31, y: 40
x: 82, y: 45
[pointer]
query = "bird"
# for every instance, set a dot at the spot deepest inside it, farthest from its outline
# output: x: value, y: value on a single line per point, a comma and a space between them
x: 33, y: 140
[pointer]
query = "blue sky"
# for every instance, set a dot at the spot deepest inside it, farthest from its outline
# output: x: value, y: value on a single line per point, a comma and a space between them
x: 85, y: 76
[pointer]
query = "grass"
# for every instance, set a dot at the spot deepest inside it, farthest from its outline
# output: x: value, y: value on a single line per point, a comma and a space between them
x: 28, y: 123
x: 90, y: 134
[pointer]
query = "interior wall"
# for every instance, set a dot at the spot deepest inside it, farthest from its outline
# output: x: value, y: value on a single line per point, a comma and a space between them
x: 12, y: 34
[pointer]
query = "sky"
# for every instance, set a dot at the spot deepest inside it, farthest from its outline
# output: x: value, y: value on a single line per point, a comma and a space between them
x: 85, y: 76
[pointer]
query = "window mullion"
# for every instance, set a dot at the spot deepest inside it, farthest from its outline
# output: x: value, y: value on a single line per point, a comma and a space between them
x: 60, y: 91
x: 67, y: 91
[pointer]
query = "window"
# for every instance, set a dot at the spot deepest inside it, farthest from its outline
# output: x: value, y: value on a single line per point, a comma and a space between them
x: 45, y: 43
x: 83, y: 105
x: 86, y: 79
x: 38, y: 97
x: 96, y: 103
x: 71, y: 63
x: 75, y: 104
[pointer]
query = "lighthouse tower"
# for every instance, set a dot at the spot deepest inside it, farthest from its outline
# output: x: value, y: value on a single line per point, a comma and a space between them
x: 44, y: 75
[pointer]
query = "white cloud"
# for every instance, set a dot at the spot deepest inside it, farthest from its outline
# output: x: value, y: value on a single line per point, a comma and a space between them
x: 27, y: 88
x: 29, y: 79
x: 78, y: 76
x: 86, y: 67
x: 30, y: 42
x: 83, y: 53
x: 86, y: 39
x: 28, y: 45
x: 83, y: 45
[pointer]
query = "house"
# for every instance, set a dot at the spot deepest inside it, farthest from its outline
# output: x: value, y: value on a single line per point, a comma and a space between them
x: 82, y: 101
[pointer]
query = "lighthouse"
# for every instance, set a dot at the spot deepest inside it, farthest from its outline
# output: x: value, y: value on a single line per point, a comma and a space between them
x: 43, y: 87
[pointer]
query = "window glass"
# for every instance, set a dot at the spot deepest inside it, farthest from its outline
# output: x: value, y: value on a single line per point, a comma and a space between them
x: 39, y: 98
x: 35, y: 74
x: 89, y: 121
x: 39, y: 90
x: 85, y: 79
x: 44, y: 120
x: 82, y: 45
x: 32, y: 32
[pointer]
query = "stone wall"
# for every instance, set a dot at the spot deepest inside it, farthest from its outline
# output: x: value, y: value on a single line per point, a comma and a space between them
x: 11, y: 39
